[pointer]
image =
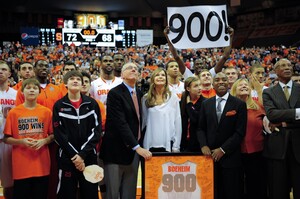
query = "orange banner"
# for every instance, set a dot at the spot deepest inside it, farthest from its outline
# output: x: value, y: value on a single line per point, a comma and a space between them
x: 189, y: 177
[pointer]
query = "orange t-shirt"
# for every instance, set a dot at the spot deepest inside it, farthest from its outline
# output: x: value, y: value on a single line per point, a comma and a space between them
x: 18, y: 85
x: 26, y: 123
x: 62, y: 89
x: 48, y: 96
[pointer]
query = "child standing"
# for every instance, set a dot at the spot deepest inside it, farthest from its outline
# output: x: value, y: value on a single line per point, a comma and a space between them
x: 77, y: 129
x: 29, y: 129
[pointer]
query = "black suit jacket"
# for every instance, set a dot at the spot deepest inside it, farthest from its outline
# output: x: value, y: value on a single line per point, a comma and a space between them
x: 189, y: 120
x: 228, y: 133
x: 122, y: 126
x: 278, y: 110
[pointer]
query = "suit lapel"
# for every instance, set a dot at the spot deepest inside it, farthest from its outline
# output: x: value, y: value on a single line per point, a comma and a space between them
x: 294, y: 95
x: 214, y: 110
x: 128, y: 97
x: 228, y: 107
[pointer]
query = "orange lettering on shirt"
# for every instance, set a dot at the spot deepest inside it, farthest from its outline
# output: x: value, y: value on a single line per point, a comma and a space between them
x: 103, y: 92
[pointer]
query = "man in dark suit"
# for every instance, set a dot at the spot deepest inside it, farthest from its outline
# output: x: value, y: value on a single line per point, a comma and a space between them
x: 282, y: 148
x: 120, y: 148
x: 221, y: 138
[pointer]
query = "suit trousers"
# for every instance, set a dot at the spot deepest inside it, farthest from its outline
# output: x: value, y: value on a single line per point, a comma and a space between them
x: 121, y: 180
x: 284, y: 174
x: 254, y: 167
x: 228, y: 182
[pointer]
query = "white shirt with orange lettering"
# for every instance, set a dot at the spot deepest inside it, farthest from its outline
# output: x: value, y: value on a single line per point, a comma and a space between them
x: 177, y: 89
x: 100, y: 88
x: 7, y: 101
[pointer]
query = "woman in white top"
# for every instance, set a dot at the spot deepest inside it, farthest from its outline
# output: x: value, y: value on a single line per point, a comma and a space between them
x: 161, y: 115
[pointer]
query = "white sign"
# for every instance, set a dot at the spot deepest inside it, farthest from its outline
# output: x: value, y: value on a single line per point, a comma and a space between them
x: 144, y: 37
x: 198, y: 26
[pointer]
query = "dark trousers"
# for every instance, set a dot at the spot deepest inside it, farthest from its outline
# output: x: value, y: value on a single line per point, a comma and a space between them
x: 31, y: 188
x: 53, y: 177
x: 68, y: 185
x: 228, y: 182
x: 283, y: 175
x: 254, y: 167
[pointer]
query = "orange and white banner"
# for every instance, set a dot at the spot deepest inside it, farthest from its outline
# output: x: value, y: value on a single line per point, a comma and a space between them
x: 176, y: 176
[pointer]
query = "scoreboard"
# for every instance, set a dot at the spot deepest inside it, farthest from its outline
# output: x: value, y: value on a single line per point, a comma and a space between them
x: 93, y: 37
x: 125, y: 38
x: 49, y: 36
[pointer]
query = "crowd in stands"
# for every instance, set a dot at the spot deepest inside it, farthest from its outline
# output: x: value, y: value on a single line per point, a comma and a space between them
x: 177, y: 86
x: 147, y: 58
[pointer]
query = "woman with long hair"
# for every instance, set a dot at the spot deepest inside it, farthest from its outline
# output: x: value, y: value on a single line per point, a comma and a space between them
x: 190, y: 107
x: 161, y: 115
x: 253, y: 142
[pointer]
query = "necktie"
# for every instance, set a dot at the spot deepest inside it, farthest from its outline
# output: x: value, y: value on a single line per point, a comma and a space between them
x: 219, y: 108
x: 286, y: 92
x: 136, y: 106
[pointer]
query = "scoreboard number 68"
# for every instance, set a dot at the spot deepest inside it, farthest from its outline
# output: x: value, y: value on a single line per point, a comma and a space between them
x: 107, y: 38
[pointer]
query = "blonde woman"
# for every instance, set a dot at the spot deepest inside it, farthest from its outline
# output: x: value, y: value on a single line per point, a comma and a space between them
x: 253, y: 142
x: 161, y: 115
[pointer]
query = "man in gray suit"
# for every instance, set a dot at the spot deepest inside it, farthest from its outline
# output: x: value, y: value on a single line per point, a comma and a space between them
x: 282, y: 149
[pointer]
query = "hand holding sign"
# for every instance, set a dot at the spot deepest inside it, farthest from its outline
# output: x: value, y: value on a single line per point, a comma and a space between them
x: 93, y: 173
x: 198, y: 26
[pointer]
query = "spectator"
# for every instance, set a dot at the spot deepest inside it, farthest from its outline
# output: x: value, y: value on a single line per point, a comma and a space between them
x: 118, y: 63
x: 190, y: 107
x: 77, y: 129
x: 296, y: 78
x: 29, y: 128
x: 106, y: 81
x: 8, y: 101
x: 257, y: 82
x: 68, y: 66
x: 207, y: 89
x: 85, y: 91
x: 282, y: 103
x: 232, y: 74
x: 175, y: 85
x: 252, y: 145
x: 25, y: 72
x: 121, y: 147
x: 221, y: 129
x: 161, y: 115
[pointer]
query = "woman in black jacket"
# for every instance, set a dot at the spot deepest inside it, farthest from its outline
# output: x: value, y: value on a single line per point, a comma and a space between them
x: 190, y: 107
